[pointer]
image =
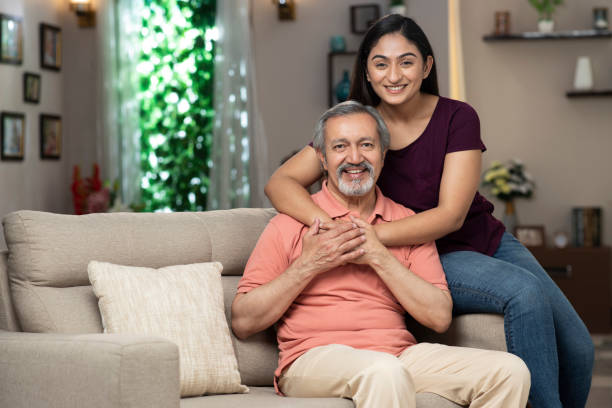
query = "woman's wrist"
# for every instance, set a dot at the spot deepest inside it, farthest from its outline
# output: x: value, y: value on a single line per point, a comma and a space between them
x: 379, y: 229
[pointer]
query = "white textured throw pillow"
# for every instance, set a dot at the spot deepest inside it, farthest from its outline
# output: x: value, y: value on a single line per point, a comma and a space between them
x: 183, y: 304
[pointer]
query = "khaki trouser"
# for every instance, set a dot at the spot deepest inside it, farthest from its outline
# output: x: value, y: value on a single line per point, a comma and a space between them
x: 466, y: 376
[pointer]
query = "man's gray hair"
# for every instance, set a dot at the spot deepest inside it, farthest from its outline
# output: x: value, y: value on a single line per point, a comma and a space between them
x: 350, y: 108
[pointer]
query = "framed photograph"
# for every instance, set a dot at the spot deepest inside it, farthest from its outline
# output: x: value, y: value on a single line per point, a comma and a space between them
x: 13, y: 135
x: 11, y: 39
x: 363, y: 16
x: 50, y: 47
x: 31, y: 87
x: 50, y: 136
x: 531, y: 235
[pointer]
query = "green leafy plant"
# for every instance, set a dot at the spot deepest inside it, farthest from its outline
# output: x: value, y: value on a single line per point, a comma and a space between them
x: 176, y: 68
x: 545, y: 8
x: 508, y: 181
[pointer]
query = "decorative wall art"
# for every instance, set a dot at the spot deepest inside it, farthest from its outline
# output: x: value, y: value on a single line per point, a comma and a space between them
x: 11, y: 39
x: 50, y: 136
x: 31, y: 87
x: 363, y: 16
x: 50, y: 47
x: 12, y: 141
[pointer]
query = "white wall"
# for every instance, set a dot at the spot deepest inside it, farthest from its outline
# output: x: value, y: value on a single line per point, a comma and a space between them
x: 518, y: 89
x: 45, y: 184
x: 291, y: 62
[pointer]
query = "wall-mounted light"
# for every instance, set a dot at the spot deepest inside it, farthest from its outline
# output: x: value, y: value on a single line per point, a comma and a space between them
x: 286, y: 9
x: 85, y: 14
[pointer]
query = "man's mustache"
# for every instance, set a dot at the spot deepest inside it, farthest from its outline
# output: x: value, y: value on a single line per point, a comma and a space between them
x: 363, y: 165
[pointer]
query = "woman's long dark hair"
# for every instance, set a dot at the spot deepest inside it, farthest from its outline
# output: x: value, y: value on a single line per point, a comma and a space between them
x: 361, y: 90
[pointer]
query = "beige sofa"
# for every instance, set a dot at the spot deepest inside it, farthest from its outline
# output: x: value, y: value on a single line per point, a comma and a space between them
x: 52, y: 349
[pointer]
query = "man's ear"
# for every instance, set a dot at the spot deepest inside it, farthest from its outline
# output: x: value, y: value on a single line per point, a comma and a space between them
x: 428, y: 65
x: 322, y: 160
x: 384, y: 154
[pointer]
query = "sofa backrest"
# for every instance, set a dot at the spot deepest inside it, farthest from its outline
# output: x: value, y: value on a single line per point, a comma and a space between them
x: 48, y: 256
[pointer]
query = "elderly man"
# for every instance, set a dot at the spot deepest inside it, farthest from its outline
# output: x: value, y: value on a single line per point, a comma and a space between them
x: 338, y: 297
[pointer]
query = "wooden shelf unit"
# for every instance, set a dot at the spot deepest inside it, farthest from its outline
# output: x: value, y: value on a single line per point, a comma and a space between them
x: 331, y: 68
x: 583, y: 274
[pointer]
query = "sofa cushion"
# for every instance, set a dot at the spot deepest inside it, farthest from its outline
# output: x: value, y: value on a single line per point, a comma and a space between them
x: 258, y: 355
x: 183, y: 304
x: 265, y: 397
x: 51, y: 251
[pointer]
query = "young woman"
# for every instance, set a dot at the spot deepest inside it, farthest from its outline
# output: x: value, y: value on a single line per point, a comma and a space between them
x: 433, y: 167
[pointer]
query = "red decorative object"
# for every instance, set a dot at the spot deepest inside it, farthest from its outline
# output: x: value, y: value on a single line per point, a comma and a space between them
x: 89, y: 195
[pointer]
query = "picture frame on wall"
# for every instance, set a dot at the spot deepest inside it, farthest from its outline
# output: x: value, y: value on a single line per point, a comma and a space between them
x: 50, y: 136
x: 363, y: 16
x: 31, y: 87
x: 12, y: 135
x: 50, y: 47
x: 11, y: 39
x: 530, y: 235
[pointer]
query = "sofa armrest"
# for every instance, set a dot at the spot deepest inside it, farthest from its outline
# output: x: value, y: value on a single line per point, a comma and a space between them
x: 87, y: 370
x: 478, y: 330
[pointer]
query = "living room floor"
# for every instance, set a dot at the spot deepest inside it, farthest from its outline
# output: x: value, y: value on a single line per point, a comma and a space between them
x: 601, y: 387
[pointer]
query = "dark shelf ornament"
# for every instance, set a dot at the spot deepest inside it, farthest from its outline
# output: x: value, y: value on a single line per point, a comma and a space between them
x: 589, y: 93
x: 557, y: 35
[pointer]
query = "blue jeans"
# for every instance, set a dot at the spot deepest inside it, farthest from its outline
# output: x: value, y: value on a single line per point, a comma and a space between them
x: 540, y: 324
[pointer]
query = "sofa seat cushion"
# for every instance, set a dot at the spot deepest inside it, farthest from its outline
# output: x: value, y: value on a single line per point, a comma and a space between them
x: 265, y: 397
x: 183, y: 304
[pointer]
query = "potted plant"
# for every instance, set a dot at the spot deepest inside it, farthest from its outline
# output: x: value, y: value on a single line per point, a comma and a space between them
x: 397, y: 7
x: 545, y: 9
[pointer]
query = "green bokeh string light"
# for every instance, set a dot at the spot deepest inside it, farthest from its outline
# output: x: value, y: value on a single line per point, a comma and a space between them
x: 176, y: 102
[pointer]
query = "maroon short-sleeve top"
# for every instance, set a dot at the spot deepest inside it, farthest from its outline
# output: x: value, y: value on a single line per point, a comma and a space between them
x: 411, y: 176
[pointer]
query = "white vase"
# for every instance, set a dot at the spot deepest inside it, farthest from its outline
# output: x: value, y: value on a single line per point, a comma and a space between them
x: 546, y: 26
x: 583, y: 77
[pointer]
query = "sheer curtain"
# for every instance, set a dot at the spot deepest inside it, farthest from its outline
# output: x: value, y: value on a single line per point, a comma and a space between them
x: 238, y: 154
x: 119, y: 22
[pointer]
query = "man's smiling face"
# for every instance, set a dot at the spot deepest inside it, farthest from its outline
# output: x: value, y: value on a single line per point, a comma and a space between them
x: 353, y: 156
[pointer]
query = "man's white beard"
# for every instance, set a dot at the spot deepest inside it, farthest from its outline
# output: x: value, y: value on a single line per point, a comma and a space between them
x: 356, y: 187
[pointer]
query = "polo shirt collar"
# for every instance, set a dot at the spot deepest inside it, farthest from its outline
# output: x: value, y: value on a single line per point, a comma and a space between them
x: 335, y: 209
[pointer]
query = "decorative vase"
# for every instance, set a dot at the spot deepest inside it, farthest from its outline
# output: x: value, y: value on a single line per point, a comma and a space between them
x: 583, y: 77
x: 337, y: 43
x: 546, y: 26
x: 600, y: 18
x: 343, y: 88
x: 509, y: 219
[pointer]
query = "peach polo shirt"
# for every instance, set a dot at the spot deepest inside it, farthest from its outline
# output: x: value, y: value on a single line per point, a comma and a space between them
x: 347, y: 305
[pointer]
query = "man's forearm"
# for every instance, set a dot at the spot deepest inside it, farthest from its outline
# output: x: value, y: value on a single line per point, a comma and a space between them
x: 263, y: 306
x: 428, y: 304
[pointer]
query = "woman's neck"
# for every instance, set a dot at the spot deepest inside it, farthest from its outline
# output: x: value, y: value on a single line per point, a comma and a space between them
x: 407, y: 111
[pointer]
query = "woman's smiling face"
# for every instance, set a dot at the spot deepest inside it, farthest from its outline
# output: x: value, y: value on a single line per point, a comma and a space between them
x: 396, y: 69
